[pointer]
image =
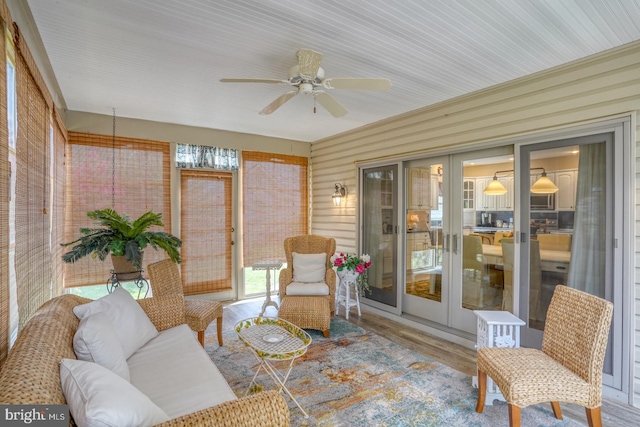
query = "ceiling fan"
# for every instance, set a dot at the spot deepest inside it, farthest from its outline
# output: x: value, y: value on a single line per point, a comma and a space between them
x: 307, y: 78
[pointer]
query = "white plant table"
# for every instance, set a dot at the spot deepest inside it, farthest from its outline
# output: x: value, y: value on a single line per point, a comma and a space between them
x: 343, y: 295
x: 272, y: 339
x: 268, y: 266
x: 496, y: 329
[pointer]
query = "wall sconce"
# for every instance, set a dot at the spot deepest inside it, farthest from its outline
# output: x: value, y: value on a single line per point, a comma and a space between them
x: 542, y: 186
x: 338, y: 194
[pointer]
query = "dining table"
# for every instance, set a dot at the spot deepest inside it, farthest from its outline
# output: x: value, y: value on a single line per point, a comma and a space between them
x: 551, y: 261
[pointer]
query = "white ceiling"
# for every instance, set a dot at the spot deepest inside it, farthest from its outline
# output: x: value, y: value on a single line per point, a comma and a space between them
x: 161, y: 60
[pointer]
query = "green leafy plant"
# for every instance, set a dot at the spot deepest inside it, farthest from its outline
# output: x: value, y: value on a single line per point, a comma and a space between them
x: 122, y: 237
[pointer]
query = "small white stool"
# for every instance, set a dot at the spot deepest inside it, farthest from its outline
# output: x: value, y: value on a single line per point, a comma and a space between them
x: 343, y: 296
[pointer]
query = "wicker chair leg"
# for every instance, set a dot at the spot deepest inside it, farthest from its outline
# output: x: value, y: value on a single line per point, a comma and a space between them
x: 201, y: 337
x: 594, y: 416
x: 220, y: 331
x: 482, y: 391
x: 326, y: 333
x: 556, y: 410
x: 514, y: 415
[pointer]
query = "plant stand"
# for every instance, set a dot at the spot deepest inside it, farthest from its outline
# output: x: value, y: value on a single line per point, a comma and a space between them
x: 129, y: 276
x: 496, y: 329
x: 343, y: 293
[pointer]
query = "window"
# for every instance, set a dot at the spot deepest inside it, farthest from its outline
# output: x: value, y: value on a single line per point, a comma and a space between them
x: 274, y: 203
x: 141, y: 184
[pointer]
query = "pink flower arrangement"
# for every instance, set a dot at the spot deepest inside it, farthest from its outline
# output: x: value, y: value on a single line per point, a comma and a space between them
x: 351, y: 262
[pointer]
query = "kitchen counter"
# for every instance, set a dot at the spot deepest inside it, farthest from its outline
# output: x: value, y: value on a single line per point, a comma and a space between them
x: 490, y: 229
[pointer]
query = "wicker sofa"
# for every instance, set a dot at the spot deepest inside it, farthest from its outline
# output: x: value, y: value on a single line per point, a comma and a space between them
x: 31, y: 373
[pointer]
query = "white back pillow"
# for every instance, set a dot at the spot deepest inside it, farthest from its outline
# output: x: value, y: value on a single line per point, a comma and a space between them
x: 309, y: 268
x: 96, y: 341
x: 130, y: 323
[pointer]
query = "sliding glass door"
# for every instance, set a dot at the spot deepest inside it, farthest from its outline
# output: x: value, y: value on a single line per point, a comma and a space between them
x: 379, y: 231
x: 578, y: 242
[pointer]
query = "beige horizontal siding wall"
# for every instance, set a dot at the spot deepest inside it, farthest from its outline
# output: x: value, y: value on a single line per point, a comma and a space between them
x: 592, y: 89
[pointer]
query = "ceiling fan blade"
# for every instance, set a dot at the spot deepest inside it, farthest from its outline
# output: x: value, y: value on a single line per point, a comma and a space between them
x: 253, y: 81
x: 330, y: 104
x: 277, y: 103
x: 354, y: 83
x: 309, y: 63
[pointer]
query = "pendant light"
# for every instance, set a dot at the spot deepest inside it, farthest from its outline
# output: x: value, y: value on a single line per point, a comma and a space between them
x: 495, y: 188
x: 542, y: 186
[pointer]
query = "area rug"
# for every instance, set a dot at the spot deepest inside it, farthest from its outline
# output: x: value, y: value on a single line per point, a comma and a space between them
x: 357, y: 378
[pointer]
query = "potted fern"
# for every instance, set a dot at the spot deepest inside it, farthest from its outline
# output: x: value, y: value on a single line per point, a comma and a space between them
x: 124, y: 239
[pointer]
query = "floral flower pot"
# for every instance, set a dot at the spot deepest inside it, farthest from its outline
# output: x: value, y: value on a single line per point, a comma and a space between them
x: 348, y: 275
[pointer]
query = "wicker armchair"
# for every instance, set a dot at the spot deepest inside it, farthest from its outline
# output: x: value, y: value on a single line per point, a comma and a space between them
x: 569, y: 366
x: 309, y: 311
x: 165, y: 280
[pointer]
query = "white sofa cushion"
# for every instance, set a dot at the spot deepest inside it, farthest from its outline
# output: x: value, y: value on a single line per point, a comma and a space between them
x: 130, y: 323
x: 306, y: 289
x: 96, y: 341
x: 309, y: 268
x: 177, y: 374
x: 98, y: 397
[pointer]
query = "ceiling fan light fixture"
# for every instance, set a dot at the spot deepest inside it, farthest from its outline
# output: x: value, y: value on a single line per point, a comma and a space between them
x: 305, y: 88
x: 308, y: 78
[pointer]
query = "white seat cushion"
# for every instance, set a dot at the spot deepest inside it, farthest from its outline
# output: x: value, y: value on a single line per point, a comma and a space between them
x: 175, y: 372
x: 98, y: 397
x: 130, y: 323
x: 307, y: 289
x: 96, y: 341
x: 309, y: 268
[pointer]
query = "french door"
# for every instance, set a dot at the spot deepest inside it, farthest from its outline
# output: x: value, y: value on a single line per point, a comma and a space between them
x: 426, y: 266
x: 447, y: 275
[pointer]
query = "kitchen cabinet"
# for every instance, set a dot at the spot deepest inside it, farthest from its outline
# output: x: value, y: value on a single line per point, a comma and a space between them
x: 484, y: 202
x: 505, y: 201
x: 566, y: 181
x: 419, y: 188
x: 469, y: 194
x: 435, y: 192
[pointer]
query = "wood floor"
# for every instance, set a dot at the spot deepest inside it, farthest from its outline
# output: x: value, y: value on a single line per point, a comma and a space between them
x: 458, y: 357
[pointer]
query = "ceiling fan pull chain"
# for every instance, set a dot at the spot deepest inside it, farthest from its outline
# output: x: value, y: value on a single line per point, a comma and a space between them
x: 314, y: 105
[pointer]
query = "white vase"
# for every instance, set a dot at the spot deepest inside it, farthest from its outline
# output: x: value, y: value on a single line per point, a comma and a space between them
x: 348, y: 275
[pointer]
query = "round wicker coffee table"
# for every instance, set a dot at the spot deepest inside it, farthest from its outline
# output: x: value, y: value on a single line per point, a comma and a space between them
x: 272, y: 339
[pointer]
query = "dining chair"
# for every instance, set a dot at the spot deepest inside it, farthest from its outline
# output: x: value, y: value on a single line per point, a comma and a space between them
x: 569, y: 366
x: 555, y: 242
x: 165, y: 280
x: 535, y: 277
x: 477, y: 289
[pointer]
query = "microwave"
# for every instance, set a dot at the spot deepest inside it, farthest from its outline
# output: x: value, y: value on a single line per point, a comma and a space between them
x: 543, y: 202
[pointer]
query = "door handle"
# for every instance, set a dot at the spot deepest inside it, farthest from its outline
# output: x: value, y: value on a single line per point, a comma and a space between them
x: 455, y: 243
